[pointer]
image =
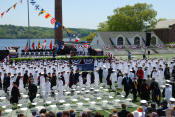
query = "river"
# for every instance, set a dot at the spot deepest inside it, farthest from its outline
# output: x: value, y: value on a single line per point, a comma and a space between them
x: 22, y: 42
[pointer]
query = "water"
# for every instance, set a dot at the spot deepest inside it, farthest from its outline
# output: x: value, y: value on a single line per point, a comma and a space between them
x: 22, y: 42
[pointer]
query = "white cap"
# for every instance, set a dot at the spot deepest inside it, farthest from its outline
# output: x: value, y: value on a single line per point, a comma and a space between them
x: 143, y: 101
x: 172, y: 99
x: 167, y: 84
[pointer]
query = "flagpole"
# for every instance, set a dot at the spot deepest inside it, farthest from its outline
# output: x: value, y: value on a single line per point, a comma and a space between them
x: 28, y: 21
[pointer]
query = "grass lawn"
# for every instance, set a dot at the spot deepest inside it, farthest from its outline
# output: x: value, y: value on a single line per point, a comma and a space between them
x: 162, y: 56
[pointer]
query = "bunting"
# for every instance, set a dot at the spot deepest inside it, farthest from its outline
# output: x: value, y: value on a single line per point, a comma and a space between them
x: 48, y: 16
x: 13, y: 6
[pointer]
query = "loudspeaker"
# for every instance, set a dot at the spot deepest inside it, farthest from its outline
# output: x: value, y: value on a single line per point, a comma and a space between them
x: 148, y: 38
x: 3, y: 54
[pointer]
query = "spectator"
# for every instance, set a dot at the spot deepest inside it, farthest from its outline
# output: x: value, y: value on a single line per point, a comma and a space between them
x: 43, y: 111
x: 139, y: 112
x: 123, y: 112
x: 50, y: 114
x: 0, y: 112
x: 20, y: 115
x: 59, y: 114
x: 161, y: 111
x: 130, y: 115
x: 114, y: 113
x: 33, y: 113
x: 66, y: 114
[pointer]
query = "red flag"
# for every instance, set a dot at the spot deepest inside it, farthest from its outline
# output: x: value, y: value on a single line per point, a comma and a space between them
x: 51, y: 45
x: 33, y: 45
x: 27, y: 47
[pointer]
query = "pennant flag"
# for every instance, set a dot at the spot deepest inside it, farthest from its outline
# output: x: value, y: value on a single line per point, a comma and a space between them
x: 57, y: 25
x: 47, y: 15
x: 51, y: 45
x: 8, y: 10
x: 41, y: 12
x: 53, y: 21
x: 2, y: 14
x: 39, y: 44
x: 27, y: 47
x: 37, y: 7
x: 33, y: 45
x: 14, y: 6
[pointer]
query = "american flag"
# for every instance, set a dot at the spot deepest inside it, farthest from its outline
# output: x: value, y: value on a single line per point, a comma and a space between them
x: 27, y: 47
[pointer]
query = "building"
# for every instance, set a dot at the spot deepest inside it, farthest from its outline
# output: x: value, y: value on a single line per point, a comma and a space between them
x: 121, y: 40
x: 165, y: 30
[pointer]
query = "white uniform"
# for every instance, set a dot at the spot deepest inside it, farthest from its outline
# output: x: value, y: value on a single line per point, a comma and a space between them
x: 66, y: 78
x: 96, y: 79
x: 113, y: 79
x: 80, y: 81
x: 105, y: 74
x: 21, y: 85
x: 168, y: 93
x: 88, y: 82
x: 119, y: 82
x: 35, y: 78
x: 60, y: 89
x: 47, y: 89
x: 42, y: 86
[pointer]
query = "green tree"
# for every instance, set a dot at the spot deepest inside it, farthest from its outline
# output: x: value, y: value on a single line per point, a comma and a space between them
x: 90, y: 37
x: 131, y: 18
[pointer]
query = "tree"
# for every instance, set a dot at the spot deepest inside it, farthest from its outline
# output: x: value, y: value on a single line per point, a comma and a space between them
x: 139, y: 17
x: 90, y: 37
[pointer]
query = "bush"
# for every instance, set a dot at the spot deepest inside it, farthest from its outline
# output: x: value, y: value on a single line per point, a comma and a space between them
x: 59, y: 58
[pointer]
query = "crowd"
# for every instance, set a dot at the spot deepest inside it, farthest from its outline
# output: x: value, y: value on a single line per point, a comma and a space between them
x: 144, y: 79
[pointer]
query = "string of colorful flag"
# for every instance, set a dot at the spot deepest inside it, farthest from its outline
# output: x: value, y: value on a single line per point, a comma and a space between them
x: 14, y: 6
x: 48, y: 16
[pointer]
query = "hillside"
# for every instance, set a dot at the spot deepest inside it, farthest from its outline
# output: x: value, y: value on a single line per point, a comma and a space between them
x: 21, y: 32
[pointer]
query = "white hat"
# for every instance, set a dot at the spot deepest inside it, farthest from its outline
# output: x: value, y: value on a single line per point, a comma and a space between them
x: 168, y: 81
x: 143, y: 101
x: 167, y: 84
x: 42, y: 73
x: 172, y: 99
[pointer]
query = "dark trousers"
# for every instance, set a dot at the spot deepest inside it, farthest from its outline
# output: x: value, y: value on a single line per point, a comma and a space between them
x: 134, y: 92
x: 127, y: 93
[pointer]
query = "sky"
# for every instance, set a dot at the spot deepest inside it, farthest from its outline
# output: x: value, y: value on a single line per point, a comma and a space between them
x: 77, y: 13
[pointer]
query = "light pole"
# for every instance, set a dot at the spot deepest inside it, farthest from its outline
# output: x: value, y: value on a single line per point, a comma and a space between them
x: 28, y: 22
